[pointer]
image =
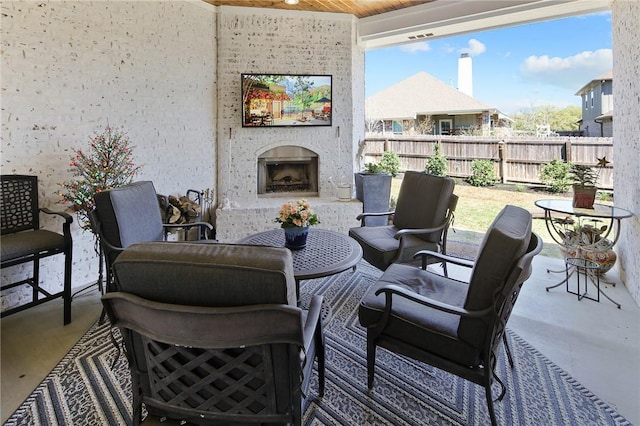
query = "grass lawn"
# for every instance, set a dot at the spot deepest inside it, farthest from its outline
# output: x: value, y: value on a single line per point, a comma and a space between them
x: 478, y: 206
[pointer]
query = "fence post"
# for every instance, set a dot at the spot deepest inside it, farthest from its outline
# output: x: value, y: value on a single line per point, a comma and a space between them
x: 567, y: 151
x: 386, y: 145
x: 501, y: 156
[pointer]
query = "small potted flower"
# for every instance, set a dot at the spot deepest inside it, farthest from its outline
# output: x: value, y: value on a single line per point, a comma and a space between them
x: 295, y: 217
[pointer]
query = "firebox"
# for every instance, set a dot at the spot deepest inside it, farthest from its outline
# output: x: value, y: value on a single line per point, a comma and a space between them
x: 288, y: 169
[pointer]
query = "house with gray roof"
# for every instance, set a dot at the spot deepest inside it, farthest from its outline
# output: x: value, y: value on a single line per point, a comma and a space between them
x: 422, y: 104
x: 597, y: 106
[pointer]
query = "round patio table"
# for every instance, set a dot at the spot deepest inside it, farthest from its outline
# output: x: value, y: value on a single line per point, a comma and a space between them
x: 327, y: 252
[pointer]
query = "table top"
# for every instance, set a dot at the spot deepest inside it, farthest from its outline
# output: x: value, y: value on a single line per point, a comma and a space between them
x: 327, y: 252
x: 598, y: 210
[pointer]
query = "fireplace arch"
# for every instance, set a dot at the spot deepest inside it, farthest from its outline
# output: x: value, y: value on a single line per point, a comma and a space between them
x: 288, y: 169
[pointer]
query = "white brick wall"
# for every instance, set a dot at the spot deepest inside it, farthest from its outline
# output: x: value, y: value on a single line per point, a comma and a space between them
x: 626, y: 134
x: 274, y: 42
x: 69, y: 68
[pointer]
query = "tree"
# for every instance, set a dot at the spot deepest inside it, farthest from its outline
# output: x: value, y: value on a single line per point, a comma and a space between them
x: 425, y: 125
x: 566, y: 118
x: 557, y: 119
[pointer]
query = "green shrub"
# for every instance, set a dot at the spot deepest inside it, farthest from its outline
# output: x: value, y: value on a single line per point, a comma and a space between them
x: 604, y: 196
x: 521, y: 187
x: 555, y: 174
x: 482, y: 173
x: 390, y: 163
x: 374, y: 168
x: 437, y: 163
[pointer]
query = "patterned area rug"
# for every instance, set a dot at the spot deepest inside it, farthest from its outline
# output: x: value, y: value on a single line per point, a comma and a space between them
x: 84, y: 390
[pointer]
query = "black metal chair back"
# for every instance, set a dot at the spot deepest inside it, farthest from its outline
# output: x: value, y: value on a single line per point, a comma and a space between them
x: 23, y: 240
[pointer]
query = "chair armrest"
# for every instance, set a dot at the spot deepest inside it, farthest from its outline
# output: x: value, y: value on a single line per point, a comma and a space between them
x: 66, y: 226
x: 419, y: 231
x: 361, y: 217
x: 445, y: 258
x: 313, y: 318
x: 67, y: 217
x: 390, y: 290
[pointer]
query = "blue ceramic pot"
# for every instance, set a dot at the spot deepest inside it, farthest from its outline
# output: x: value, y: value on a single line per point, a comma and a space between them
x: 296, y: 237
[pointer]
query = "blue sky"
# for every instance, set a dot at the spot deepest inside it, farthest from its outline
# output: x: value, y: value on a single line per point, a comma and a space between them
x: 514, y: 69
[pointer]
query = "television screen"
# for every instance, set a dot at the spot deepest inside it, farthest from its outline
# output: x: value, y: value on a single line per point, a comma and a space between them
x: 286, y: 100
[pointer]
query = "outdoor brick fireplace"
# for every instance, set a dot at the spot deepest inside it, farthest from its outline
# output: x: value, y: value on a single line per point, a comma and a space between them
x: 287, y: 169
x: 257, y: 176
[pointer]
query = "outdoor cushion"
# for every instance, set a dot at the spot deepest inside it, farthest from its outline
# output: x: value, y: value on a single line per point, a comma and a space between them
x: 415, y: 324
x: 423, y: 203
x: 130, y: 214
x: 21, y: 244
x: 506, y: 240
x: 258, y: 274
x: 379, y: 246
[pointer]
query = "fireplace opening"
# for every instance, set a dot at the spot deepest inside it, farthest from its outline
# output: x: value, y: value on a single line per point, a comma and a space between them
x: 288, y: 169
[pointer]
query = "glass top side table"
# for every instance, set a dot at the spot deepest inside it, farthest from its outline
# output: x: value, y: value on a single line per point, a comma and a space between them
x: 585, y: 233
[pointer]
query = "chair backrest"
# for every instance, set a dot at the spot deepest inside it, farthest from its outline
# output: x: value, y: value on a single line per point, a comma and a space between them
x: 19, y: 209
x: 497, y: 267
x: 423, y: 202
x: 215, y: 275
x: 212, y: 330
x: 129, y: 214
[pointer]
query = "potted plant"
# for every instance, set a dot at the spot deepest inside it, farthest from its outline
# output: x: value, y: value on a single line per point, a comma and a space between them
x: 585, y: 179
x: 585, y: 240
x: 373, y: 186
x: 108, y: 163
x: 295, y: 217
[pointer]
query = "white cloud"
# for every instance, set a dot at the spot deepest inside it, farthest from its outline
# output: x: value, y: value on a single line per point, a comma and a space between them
x: 422, y: 46
x: 571, y: 72
x: 447, y: 48
x: 475, y: 48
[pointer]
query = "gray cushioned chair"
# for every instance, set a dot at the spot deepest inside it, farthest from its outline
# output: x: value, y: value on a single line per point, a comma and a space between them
x: 421, y: 220
x: 24, y: 242
x: 131, y: 214
x: 213, y: 334
x: 454, y: 325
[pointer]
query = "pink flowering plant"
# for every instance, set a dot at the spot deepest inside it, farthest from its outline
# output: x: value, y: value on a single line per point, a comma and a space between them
x: 107, y: 164
x: 296, y: 214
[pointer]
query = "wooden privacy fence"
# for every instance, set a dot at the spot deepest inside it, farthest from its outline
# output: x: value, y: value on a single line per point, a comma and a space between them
x: 516, y: 160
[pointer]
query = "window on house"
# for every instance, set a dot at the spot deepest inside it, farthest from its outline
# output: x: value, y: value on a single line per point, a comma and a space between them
x: 592, y: 99
x: 446, y: 126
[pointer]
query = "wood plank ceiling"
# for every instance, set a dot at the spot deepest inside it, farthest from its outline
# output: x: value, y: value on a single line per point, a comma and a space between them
x: 358, y: 8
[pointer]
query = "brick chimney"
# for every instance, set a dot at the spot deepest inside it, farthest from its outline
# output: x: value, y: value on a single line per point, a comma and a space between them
x: 465, y: 74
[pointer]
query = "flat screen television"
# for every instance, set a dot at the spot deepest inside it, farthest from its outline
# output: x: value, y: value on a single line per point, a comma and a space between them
x: 286, y: 100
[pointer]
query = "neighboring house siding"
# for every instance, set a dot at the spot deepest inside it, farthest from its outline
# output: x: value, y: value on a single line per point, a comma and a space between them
x: 597, y: 99
x: 607, y: 128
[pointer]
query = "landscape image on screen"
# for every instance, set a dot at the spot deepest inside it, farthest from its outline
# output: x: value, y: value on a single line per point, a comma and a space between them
x: 286, y: 100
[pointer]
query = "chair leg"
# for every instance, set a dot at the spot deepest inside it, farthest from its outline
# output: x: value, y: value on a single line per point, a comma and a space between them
x: 507, y: 349
x: 492, y: 413
x: 320, y: 354
x: 66, y: 296
x: 35, y: 292
x: 371, y: 360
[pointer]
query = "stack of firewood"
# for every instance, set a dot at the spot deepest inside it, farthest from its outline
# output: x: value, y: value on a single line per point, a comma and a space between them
x: 179, y: 209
